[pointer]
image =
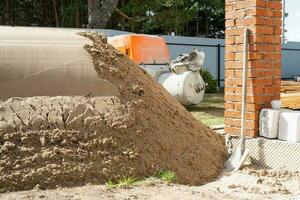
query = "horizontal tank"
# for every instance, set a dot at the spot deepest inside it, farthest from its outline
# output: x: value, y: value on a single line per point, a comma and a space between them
x: 188, y: 87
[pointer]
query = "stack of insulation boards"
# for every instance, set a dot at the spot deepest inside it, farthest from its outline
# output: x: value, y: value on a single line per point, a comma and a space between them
x: 290, y: 94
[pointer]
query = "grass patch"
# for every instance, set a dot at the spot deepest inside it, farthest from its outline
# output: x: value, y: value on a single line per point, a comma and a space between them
x: 123, y: 182
x: 210, y: 111
x: 167, y: 176
x: 3, y: 190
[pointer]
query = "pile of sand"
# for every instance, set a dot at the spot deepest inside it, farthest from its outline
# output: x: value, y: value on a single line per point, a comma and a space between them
x: 70, y: 141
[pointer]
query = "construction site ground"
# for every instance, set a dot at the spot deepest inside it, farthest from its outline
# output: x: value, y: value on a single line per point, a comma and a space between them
x: 249, y: 183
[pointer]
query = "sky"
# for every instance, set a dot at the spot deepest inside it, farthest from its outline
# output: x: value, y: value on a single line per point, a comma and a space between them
x: 292, y: 24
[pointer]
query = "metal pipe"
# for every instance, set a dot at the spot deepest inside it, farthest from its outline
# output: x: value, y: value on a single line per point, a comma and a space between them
x: 283, y: 21
x: 219, y: 65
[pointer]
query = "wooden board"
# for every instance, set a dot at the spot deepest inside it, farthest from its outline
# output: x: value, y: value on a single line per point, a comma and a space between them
x: 290, y: 94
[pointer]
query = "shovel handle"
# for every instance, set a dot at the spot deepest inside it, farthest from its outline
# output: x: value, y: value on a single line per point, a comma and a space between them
x: 244, y: 89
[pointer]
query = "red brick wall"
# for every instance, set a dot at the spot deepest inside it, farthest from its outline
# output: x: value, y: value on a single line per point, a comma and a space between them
x: 263, y: 18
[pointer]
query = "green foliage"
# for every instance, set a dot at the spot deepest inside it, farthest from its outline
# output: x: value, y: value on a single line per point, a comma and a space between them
x: 123, y: 182
x: 3, y: 190
x: 204, y: 18
x: 42, y: 13
x: 184, y: 17
x: 167, y: 176
x: 111, y: 184
x: 211, y: 83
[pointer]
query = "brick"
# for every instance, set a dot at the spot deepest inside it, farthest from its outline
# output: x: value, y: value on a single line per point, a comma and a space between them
x: 277, y: 30
x: 262, y: 47
x: 277, y: 14
x: 251, y: 107
x: 267, y: 39
x: 269, y: 90
x: 240, y: 5
x: 238, y: 114
x: 262, y: 81
x: 245, y: 22
x: 233, y: 65
x: 230, y: 23
x: 229, y: 7
x: 236, y: 131
x: 230, y: 40
x: 229, y: 56
x: 277, y: 22
x: 237, y: 123
x: 256, y: 56
x: 252, y: 73
x: 229, y: 73
x: 274, y: 5
x: 262, y: 12
x: 234, y: 31
x: 272, y: 56
x: 256, y: 3
x: 260, y: 64
x: 229, y: 106
x: 263, y: 30
x: 236, y: 14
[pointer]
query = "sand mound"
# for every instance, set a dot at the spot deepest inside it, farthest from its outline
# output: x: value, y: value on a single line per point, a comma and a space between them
x: 70, y: 141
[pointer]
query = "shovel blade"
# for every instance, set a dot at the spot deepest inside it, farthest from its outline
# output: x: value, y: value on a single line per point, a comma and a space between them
x: 236, y: 159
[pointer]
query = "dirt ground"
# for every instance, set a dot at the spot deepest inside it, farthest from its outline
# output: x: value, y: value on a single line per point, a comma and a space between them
x: 248, y: 183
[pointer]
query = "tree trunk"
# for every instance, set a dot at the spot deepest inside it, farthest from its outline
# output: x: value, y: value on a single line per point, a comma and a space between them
x: 7, y: 15
x: 55, y: 13
x: 77, y: 18
x: 99, y: 12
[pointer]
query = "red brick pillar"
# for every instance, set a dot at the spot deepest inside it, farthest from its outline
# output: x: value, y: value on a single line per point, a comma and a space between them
x: 263, y: 18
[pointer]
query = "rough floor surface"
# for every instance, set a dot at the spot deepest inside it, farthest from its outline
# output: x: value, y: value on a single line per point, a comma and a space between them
x: 245, y: 184
x: 47, y: 142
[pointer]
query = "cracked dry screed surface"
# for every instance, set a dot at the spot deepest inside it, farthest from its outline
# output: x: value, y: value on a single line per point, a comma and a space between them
x: 47, y: 142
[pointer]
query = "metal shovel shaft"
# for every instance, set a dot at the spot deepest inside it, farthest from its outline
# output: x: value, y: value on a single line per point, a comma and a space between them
x: 244, y: 90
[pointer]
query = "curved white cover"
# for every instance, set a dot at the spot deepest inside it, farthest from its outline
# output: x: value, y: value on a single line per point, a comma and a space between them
x: 47, y: 62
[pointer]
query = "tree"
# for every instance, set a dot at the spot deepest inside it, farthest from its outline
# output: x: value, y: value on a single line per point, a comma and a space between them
x: 203, y: 18
x: 99, y: 12
x: 55, y: 12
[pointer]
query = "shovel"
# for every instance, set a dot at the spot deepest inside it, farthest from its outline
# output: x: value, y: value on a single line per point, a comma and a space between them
x: 239, y: 155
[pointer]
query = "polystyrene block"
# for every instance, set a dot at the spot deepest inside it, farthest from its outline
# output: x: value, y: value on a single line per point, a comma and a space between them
x: 289, y: 126
x: 268, y: 123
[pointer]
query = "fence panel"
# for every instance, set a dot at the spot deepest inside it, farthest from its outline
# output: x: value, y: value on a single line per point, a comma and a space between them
x: 213, y: 49
x: 290, y: 60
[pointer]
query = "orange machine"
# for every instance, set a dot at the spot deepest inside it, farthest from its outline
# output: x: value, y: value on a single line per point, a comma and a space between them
x: 142, y: 49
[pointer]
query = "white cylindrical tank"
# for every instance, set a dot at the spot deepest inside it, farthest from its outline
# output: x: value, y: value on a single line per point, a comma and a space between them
x: 187, y: 87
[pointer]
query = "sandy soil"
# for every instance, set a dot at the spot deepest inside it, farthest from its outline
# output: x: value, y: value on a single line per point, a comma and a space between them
x: 72, y: 141
x: 246, y: 184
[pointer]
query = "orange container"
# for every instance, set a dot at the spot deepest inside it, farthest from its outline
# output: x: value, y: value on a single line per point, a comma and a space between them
x: 142, y: 49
